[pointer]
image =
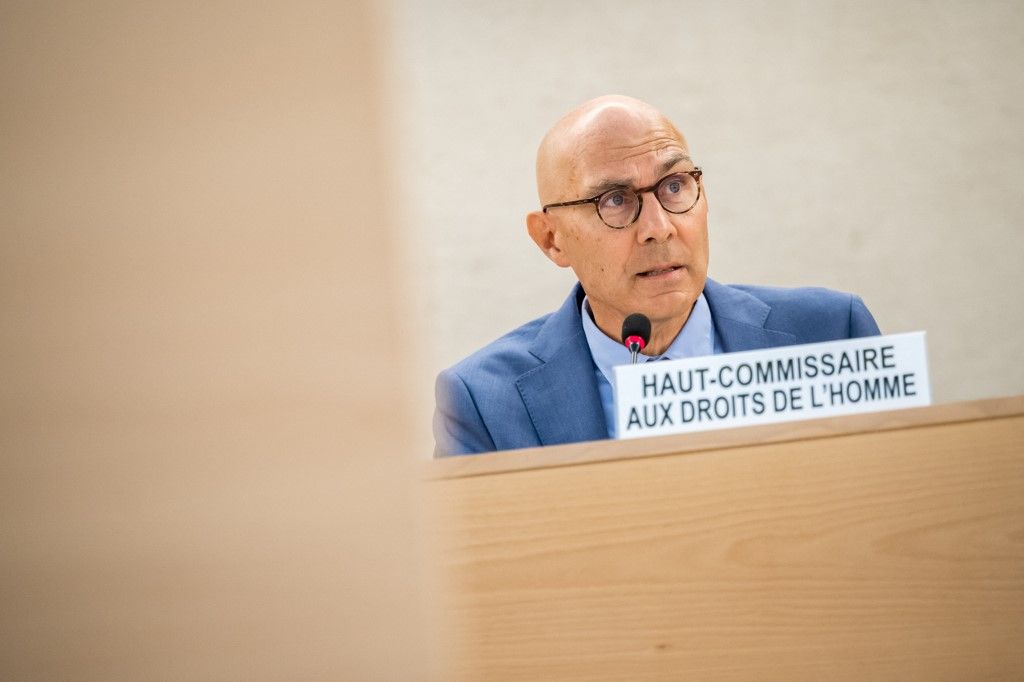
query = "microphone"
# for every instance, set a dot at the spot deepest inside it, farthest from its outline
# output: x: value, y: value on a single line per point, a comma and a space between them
x: 636, y: 332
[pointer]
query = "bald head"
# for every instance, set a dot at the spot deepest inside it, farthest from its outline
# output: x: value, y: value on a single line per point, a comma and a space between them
x: 612, y: 124
x: 658, y: 265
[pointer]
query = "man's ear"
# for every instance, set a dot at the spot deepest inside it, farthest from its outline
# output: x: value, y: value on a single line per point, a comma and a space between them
x: 542, y: 231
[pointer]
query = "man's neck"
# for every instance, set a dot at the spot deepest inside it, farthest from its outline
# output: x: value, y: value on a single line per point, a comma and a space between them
x: 663, y: 333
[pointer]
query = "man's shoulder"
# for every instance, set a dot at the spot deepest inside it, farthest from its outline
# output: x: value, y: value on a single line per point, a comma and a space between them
x: 811, y: 300
x: 482, y: 400
x: 813, y: 313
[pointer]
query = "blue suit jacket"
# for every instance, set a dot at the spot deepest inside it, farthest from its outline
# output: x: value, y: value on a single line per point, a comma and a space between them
x: 536, y: 386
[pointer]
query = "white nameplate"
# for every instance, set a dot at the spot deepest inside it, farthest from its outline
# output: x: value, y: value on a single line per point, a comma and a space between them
x: 869, y: 374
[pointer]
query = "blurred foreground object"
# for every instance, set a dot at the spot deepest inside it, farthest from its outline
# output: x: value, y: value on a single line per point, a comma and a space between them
x: 200, y: 477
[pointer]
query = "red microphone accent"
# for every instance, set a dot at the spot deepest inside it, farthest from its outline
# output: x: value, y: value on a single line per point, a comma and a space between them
x: 638, y: 340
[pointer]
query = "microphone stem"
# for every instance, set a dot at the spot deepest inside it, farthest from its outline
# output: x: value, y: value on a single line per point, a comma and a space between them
x: 634, y: 349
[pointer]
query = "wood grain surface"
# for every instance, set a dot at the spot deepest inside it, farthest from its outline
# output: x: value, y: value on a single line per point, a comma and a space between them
x: 880, y: 554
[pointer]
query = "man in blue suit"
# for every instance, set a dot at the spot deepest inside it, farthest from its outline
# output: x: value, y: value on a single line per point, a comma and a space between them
x: 624, y: 206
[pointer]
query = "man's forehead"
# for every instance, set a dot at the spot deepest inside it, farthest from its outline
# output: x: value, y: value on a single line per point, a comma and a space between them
x: 607, y: 138
x: 609, y: 160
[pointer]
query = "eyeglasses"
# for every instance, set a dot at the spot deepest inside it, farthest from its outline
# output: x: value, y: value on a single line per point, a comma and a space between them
x: 620, y: 207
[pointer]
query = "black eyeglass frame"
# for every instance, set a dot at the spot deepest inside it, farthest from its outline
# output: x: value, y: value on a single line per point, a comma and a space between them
x: 696, y: 174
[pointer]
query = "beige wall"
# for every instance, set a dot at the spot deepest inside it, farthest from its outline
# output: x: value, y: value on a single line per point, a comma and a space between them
x: 203, y: 473
x: 870, y: 147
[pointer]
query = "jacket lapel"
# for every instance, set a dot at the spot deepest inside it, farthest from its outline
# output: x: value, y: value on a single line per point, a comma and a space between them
x: 740, y: 319
x: 561, y: 394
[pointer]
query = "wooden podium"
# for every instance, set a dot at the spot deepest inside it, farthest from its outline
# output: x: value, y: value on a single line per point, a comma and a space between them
x: 888, y: 545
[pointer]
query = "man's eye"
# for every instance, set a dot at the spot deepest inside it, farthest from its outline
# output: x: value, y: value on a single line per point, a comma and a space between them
x: 614, y: 200
x: 674, y: 187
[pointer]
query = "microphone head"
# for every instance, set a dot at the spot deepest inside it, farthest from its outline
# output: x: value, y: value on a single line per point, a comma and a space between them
x: 636, y: 329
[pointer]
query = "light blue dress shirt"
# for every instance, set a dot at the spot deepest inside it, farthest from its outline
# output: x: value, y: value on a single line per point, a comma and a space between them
x: 697, y: 337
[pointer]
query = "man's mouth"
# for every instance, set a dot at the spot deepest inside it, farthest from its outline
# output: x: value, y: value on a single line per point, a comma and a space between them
x: 661, y: 270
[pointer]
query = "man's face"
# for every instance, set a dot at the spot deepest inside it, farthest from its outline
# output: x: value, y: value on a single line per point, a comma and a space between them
x: 656, y: 266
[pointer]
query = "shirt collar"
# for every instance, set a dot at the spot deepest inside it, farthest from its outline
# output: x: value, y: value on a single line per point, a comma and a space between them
x: 696, y: 338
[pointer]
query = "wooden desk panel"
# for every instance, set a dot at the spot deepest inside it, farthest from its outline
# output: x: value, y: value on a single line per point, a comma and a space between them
x: 863, y: 553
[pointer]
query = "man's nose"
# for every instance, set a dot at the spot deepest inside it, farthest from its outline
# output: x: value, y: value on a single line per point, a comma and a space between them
x: 653, y: 223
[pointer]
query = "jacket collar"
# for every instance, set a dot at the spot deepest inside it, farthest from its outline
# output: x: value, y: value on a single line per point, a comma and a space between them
x: 740, y: 319
x: 561, y: 393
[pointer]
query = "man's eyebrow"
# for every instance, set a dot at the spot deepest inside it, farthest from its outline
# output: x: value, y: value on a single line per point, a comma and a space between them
x: 673, y: 160
x: 607, y: 184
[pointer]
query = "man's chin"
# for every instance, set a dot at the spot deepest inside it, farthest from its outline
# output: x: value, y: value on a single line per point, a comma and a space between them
x: 668, y: 307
